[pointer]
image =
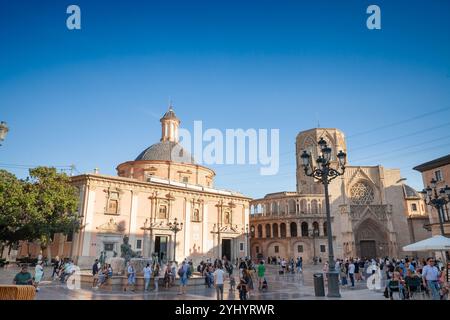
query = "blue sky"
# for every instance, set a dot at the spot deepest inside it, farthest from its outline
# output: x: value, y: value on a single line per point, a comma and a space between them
x: 93, y: 97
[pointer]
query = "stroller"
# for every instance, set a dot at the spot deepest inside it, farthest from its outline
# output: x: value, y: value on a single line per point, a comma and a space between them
x: 264, y: 286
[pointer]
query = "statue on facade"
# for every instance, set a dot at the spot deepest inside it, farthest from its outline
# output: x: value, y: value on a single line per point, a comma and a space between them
x: 102, y: 258
x: 126, y: 252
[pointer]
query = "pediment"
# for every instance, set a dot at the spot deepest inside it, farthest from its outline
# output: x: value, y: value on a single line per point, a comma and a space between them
x: 110, y: 227
x: 228, y: 229
x: 360, y: 175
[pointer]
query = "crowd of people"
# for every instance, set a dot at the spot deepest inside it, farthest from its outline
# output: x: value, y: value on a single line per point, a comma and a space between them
x: 406, y: 276
x: 62, y: 270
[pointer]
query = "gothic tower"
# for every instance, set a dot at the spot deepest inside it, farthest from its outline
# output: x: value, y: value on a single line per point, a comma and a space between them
x: 307, y: 140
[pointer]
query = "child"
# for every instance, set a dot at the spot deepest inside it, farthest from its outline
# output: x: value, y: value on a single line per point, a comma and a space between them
x: 242, y: 287
x: 232, y: 283
x: 264, y: 285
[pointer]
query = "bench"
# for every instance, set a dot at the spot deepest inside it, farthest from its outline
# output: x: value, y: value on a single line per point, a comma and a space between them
x: 14, y: 292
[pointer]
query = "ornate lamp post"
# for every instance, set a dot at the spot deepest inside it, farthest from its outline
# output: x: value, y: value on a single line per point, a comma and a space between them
x: 3, y: 131
x: 324, y: 173
x: 314, y: 233
x: 438, y: 200
x: 247, y: 236
x: 175, y: 227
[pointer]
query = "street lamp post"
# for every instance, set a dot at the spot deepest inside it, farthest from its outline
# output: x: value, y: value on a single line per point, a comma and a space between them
x: 314, y: 233
x: 437, y: 201
x: 3, y: 131
x: 247, y: 236
x: 324, y: 173
x: 175, y: 227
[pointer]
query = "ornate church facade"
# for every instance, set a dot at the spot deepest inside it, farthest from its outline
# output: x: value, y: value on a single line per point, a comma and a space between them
x: 373, y: 213
x: 161, y: 188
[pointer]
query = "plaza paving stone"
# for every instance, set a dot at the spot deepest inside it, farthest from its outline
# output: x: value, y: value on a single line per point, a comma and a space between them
x: 281, y: 287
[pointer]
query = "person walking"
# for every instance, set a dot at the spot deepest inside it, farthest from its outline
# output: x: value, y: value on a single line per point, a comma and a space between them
x: 242, y: 287
x: 156, y: 272
x: 248, y: 282
x: 56, y: 267
x: 430, y: 276
x: 38, y: 274
x: 183, y: 273
x: 343, y: 274
x: 351, y: 272
x: 173, y: 273
x: 219, y: 276
x: 131, y: 277
x: 147, y: 275
x: 261, y: 274
x: 95, y: 273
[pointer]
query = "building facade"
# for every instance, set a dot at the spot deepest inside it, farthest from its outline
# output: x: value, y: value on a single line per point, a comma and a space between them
x: 439, y: 170
x: 163, y: 185
x: 373, y: 213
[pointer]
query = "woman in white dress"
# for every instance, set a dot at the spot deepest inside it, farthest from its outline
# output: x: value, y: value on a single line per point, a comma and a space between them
x: 38, y: 274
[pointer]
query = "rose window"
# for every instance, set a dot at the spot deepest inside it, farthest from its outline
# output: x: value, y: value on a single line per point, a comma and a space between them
x: 361, y: 193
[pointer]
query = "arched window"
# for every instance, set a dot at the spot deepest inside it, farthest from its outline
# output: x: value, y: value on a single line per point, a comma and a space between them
x: 283, y: 230
x: 259, y: 208
x: 314, y: 208
x: 293, y: 229
x: 275, y: 230
x: 305, y: 229
x: 252, y: 209
x: 259, y: 231
x: 303, y: 207
x: 316, y: 227
x: 268, y: 231
x: 274, y: 207
x: 252, y: 231
x: 291, y: 206
x: 325, y: 229
x: 267, y: 206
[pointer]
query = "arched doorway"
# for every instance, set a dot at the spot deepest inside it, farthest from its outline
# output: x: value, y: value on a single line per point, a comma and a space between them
x: 371, y: 240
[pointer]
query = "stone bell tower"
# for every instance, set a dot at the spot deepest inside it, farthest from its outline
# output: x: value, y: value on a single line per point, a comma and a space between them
x: 307, y: 140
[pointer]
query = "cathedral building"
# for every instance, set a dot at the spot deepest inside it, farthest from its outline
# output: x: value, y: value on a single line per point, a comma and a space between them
x: 162, y: 187
x: 373, y: 213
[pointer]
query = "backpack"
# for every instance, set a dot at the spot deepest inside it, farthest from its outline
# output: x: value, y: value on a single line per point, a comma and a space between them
x: 181, y: 272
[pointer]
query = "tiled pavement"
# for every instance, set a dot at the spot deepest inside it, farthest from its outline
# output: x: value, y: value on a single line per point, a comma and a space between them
x: 281, y: 287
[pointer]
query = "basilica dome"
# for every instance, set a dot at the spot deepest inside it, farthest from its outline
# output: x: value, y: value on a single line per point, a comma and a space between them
x: 166, y: 151
x: 167, y: 159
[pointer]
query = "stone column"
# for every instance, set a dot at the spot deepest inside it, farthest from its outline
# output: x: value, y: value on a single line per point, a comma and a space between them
x: 205, y: 231
x: 321, y: 230
x: 133, y: 218
x: 288, y: 229
x: 146, y: 253
x: 89, y: 228
x: 187, y: 228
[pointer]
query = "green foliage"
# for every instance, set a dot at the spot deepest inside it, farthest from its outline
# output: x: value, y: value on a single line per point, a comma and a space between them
x: 35, y: 209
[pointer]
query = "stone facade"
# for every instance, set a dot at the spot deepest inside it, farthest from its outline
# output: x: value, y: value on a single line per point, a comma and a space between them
x: 438, y: 169
x: 148, y: 194
x: 370, y: 210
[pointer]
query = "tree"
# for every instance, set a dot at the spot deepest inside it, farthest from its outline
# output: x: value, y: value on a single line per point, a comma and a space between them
x: 16, y: 211
x: 55, y: 205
